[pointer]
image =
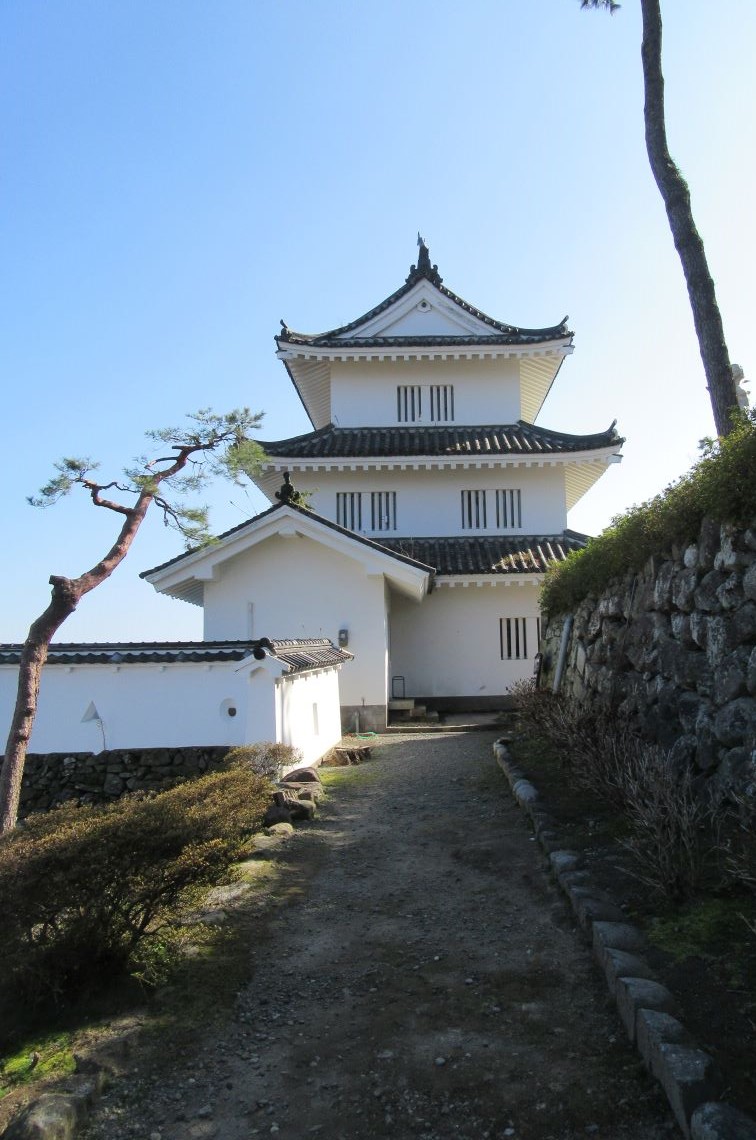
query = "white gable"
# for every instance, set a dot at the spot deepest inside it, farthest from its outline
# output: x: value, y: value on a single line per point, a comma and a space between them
x: 424, y: 311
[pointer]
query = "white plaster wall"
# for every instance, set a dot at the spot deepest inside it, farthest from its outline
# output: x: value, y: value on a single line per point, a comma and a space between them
x: 428, y: 502
x: 299, y: 588
x: 308, y: 707
x: 485, y: 391
x: 146, y: 706
x: 449, y: 646
x: 143, y: 706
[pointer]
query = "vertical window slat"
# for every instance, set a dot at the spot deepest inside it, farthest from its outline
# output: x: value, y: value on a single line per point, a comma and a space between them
x: 513, y: 638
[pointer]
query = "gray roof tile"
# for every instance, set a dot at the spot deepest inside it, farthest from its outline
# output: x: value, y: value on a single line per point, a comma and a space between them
x: 298, y: 654
x: 520, y: 438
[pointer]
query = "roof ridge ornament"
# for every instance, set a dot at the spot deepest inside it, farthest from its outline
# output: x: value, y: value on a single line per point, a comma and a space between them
x: 423, y: 269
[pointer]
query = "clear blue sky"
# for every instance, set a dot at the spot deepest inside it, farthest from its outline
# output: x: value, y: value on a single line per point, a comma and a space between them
x: 176, y: 176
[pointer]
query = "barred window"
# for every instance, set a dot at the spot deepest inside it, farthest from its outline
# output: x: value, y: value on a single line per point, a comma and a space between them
x: 508, y: 509
x: 513, y: 638
x: 437, y: 398
x: 474, y: 512
x: 349, y: 509
x: 441, y: 403
x: 409, y: 403
x: 383, y: 510
x: 378, y: 513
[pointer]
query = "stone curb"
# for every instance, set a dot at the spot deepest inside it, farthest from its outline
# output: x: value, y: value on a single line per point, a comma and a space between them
x: 57, y: 1115
x: 647, y: 1009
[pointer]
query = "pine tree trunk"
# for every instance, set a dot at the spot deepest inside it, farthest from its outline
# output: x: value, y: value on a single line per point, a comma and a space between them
x: 33, y: 656
x: 676, y: 196
x: 66, y: 594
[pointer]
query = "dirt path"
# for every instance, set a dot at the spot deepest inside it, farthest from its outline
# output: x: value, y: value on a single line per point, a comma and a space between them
x: 429, y: 985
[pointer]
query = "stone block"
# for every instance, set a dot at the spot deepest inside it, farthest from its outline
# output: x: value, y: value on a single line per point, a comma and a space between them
x: 735, y: 722
x: 749, y: 583
x: 662, y: 596
x: 730, y: 593
x: 744, y: 624
x: 683, y: 751
x: 690, y: 556
x: 53, y: 1116
x: 730, y: 679
x: 689, y: 1078
x: 720, y: 638
x: 683, y: 589
x: 524, y: 792
x: 618, y: 936
x: 680, y: 624
x: 706, y: 597
x: 699, y: 628
x: 113, y: 785
x: 563, y: 860
x: 549, y: 841
x: 618, y: 964
x: 570, y: 880
x: 652, y: 1027
x: 634, y: 994
x: 718, y: 1121
x: 590, y: 910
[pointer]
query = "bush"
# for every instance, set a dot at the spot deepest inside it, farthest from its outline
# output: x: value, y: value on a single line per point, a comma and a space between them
x: 674, y: 827
x: 88, y: 893
x: 721, y: 486
x: 265, y: 759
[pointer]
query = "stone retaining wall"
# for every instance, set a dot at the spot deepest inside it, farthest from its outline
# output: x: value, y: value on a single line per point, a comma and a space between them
x: 87, y: 777
x: 673, y: 648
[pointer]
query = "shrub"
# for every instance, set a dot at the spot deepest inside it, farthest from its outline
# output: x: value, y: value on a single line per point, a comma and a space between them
x: 721, y: 486
x: 266, y: 758
x: 740, y: 844
x: 674, y: 827
x: 87, y: 893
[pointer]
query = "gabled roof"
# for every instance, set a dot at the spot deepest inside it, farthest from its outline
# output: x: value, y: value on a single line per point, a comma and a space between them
x: 500, y: 333
x: 184, y: 575
x: 421, y: 319
x: 298, y: 654
x: 476, y: 556
x: 507, y: 439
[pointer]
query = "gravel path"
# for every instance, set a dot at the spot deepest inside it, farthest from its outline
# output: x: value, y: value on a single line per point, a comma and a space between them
x: 430, y: 984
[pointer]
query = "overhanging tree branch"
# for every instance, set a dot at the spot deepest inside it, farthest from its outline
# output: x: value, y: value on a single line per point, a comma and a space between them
x: 215, y: 445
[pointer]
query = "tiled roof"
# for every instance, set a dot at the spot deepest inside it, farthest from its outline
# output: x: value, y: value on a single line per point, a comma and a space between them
x: 301, y: 654
x: 473, y: 556
x: 500, y: 333
x: 298, y: 654
x: 302, y: 511
x: 509, y: 439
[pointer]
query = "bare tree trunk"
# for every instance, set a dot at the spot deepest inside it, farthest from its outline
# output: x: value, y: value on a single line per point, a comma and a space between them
x: 676, y: 196
x: 66, y: 593
x: 34, y: 654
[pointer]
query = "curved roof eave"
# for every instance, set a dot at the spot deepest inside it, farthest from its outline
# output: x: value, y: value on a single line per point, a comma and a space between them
x: 423, y: 271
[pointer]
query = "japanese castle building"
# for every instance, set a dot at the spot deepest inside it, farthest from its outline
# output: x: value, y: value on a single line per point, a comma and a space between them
x: 433, y: 504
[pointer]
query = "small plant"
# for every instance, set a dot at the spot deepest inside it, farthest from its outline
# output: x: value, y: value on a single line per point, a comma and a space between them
x: 721, y: 486
x: 673, y: 825
x: 266, y: 759
x: 90, y: 893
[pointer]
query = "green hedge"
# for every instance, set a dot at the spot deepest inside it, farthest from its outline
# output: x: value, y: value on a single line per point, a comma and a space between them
x: 721, y: 486
x: 89, y: 893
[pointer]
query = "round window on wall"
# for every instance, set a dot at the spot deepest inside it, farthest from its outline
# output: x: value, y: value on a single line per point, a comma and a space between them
x: 228, y: 709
